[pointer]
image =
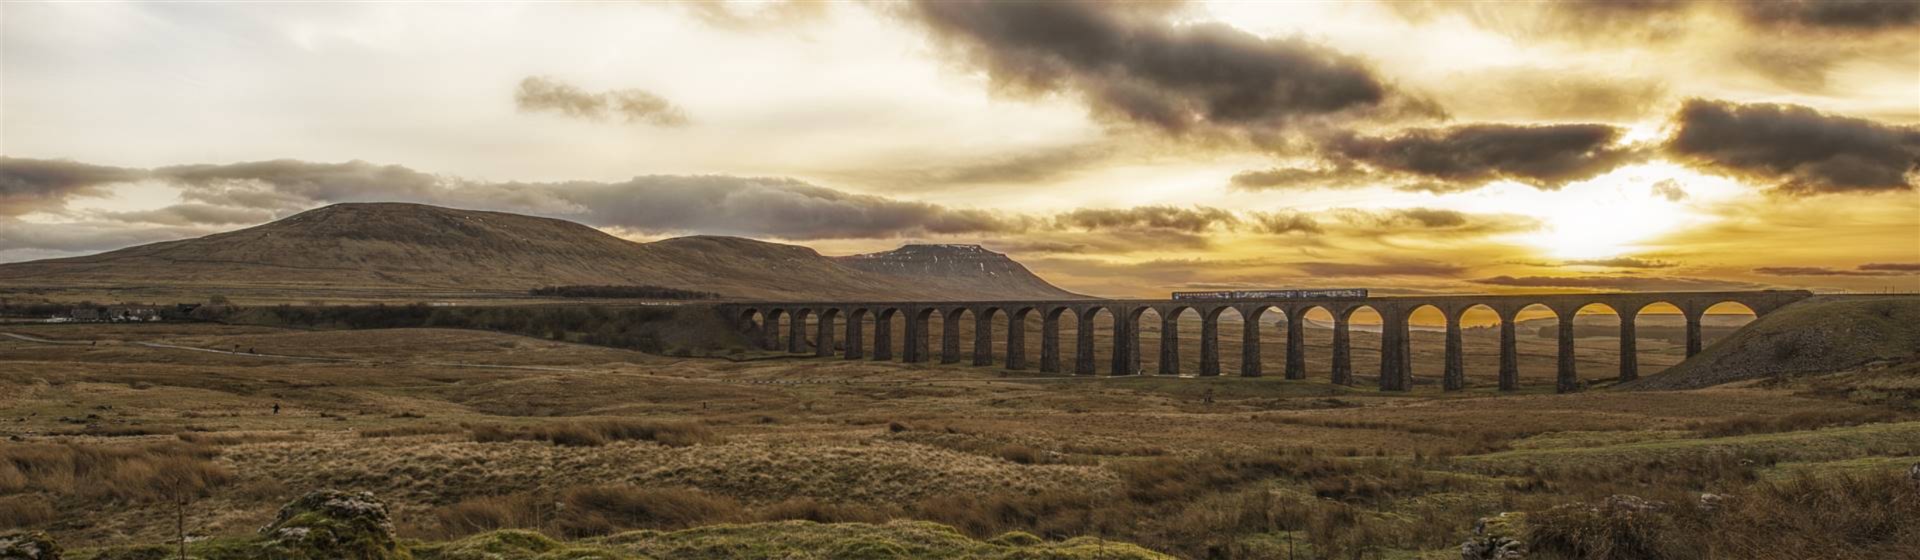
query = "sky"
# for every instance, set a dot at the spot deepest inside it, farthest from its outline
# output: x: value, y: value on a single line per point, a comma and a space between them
x: 1117, y: 149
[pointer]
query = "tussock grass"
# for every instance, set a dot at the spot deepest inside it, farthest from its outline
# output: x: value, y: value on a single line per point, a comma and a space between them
x: 18, y: 512
x: 1797, y: 421
x: 405, y: 431
x: 601, y: 510
x: 150, y: 472
x: 237, y: 438
x: 602, y: 432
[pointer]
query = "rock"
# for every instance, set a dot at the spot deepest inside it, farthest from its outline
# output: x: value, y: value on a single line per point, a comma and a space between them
x: 34, y: 545
x: 333, y: 524
x: 1913, y: 473
x: 1625, y: 505
x: 1496, y: 538
x: 1712, y: 502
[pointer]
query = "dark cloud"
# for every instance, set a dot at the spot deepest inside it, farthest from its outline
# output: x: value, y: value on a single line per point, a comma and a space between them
x: 1282, y: 223
x: 1621, y: 262
x: 538, y: 94
x: 1546, y: 156
x: 1303, y: 178
x: 1394, y: 268
x: 32, y: 185
x: 1620, y: 282
x: 1891, y: 267
x: 1799, y: 150
x: 1198, y: 219
x: 1130, y: 62
x: 1832, y: 15
x: 1432, y: 221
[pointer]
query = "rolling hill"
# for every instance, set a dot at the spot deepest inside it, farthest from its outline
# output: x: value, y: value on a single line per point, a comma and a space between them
x: 1824, y: 334
x: 376, y: 249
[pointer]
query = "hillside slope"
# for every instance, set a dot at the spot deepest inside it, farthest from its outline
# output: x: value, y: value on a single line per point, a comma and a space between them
x: 958, y: 268
x: 412, y: 248
x: 1823, y: 334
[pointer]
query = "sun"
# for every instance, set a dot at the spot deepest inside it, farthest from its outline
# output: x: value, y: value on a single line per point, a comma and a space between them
x: 1612, y: 215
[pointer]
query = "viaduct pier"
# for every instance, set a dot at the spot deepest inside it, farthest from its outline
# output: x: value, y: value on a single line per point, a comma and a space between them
x: 845, y: 320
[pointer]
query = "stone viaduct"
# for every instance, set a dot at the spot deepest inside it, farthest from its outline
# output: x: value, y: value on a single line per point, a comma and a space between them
x: 761, y: 320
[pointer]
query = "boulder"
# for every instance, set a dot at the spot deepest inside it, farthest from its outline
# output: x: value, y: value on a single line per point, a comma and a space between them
x: 332, y: 524
x: 1913, y: 473
x: 33, y: 545
x: 1496, y: 538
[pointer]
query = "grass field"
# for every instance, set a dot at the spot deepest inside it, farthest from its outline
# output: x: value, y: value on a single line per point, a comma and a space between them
x: 465, y: 432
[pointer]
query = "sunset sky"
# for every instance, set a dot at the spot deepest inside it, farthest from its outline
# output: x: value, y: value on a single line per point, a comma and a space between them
x: 1116, y: 149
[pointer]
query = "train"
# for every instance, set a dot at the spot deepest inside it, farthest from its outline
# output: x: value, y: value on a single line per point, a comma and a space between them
x: 1342, y: 293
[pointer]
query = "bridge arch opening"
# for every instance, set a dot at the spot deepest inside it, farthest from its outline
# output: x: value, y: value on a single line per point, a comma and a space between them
x: 1184, y: 356
x: 1147, y: 323
x: 1537, y: 344
x: 826, y: 339
x: 1722, y: 319
x: 955, y: 333
x: 1598, y: 347
x: 1317, y: 337
x: 1065, y: 337
x: 751, y: 325
x: 1228, y: 324
x: 1660, y: 337
x: 1427, y: 339
x: 895, y: 342
x: 776, y: 324
x: 1094, y: 347
x: 1022, y: 355
x: 1270, y: 351
x: 1362, y: 363
x: 1479, y: 345
x: 807, y: 318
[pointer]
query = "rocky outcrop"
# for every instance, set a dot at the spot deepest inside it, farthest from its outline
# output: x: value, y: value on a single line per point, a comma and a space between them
x: 329, y: 524
x: 32, y: 545
x: 1500, y: 537
x: 964, y: 270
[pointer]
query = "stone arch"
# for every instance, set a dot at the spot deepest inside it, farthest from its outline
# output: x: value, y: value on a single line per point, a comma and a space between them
x: 1147, y: 338
x: 1426, y: 328
x: 825, y: 342
x: 858, y: 333
x: 797, y: 341
x: 1596, y: 336
x: 1259, y: 353
x: 776, y: 328
x: 1660, y: 334
x: 1357, y: 340
x: 890, y: 334
x: 1537, y: 326
x: 1178, y: 324
x: 1480, y: 325
x: 1228, y: 325
x: 1059, y: 337
x: 1086, y: 356
x: 955, y: 333
x: 1722, y: 318
x: 1316, y: 340
x: 1022, y: 333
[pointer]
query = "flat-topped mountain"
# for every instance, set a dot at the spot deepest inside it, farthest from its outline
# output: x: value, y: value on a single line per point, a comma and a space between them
x: 381, y: 247
x: 957, y: 267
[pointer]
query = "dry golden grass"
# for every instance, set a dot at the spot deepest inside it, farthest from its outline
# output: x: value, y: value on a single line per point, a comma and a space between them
x: 1202, y: 468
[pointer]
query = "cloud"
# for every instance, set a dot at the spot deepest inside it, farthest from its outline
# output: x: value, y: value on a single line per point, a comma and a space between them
x: 1544, y: 156
x: 1338, y: 177
x: 1832, y: 15
x: 1869, y: 269
x: 1198, y: 219
x: 1669, y: 189
x: 1282, y: 223
x: 1130, y: 63
x: 1621, y: 282
x: 1799, y: 150
x: 33, y: 185
x: 1432, y: 221
x: 538, y: 94
x: 192, y: 214
x: 1621, y: 262
x: 1024, y: 167
x: 1406, y: 267
x: 757, y: 15
x: 1527, y: 93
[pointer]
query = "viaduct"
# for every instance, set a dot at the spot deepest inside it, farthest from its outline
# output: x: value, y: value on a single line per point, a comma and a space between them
x: 761, y: 320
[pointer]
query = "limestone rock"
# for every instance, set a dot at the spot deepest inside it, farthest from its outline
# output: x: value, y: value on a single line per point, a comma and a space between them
x: 333, y: 524
x: 1913, y: 473
x: 1496, y: 538
x: 34, y: 545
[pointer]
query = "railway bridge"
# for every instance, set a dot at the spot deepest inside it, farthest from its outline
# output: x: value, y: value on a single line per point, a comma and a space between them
x: 845, y: 320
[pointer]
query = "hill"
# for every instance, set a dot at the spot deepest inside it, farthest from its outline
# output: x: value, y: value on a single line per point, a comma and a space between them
x: 957, y: 267
x: 1824, y: 334
x: 376, y: 250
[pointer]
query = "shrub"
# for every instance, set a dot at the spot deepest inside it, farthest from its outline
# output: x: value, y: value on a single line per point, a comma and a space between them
x: 488, y: 513
x: 809, y: 509
x: 155, y: 471
x: 17, y: 512
x: 598, y: 433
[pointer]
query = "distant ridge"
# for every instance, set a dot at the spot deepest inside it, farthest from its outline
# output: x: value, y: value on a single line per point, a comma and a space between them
x: 958, y: 267
x: 384, y: 248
